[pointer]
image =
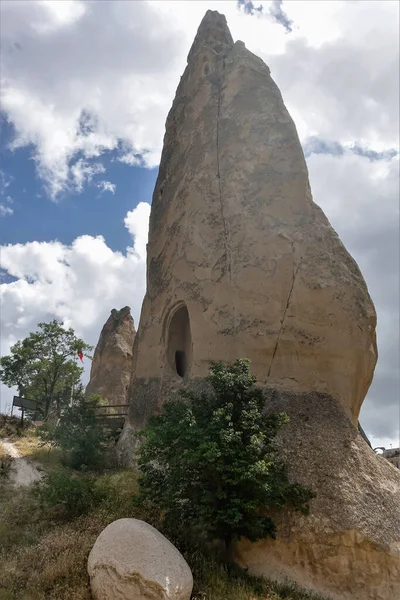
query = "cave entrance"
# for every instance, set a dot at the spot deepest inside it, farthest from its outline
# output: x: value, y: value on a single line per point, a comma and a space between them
x: 179, y: 350
x: 180, y: 363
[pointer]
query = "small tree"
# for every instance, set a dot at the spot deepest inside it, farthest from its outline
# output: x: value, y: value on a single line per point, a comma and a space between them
x: 208, y: 461
x: 43, y: 366
x: 79, y: 434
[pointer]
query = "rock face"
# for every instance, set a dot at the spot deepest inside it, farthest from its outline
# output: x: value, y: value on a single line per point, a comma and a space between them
x: 111, y: 369
x: 348, y: 547
x: 242, y: 263
x: 132, y: 560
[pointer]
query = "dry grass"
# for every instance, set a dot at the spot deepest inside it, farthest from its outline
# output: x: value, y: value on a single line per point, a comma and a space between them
x: 9, y: 426
x: 5, y: 463
x: 31, y: 447
x: 3, y: 453
x: 42, y: 559
x: 45, y: 560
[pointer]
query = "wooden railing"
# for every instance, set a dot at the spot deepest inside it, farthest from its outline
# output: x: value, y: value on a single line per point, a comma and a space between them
x: 112, y: 414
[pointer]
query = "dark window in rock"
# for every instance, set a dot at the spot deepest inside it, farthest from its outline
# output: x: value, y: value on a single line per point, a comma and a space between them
x: 180, y: 363
x: 179, y: 342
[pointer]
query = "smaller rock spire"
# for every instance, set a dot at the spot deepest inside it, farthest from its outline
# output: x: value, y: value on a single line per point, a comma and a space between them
x: 212, y: 33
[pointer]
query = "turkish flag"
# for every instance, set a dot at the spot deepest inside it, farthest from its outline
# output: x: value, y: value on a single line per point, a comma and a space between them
x: 80, y: 354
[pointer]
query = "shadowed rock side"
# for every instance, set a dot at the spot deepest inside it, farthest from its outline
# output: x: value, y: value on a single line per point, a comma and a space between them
x: 111, y: 369
x: 348, y: 547
x: 241, y: 262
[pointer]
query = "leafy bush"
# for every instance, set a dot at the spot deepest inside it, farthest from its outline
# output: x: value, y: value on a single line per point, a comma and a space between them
x: 5, y: 464
x: 83, y: 440
x: 69, y: 494
x: 209, y: 464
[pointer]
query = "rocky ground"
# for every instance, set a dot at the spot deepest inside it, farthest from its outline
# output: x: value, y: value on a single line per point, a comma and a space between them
x: 22, y: 472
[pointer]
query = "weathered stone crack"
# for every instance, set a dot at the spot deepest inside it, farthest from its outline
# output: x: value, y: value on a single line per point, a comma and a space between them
x: 226, y: 234
x: 295, y: 271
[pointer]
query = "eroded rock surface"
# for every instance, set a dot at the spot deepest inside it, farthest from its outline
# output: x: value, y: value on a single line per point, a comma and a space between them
x: 348, y: 547
x: 242, y: 263
x: 132, y: 560
x: 111, y: 369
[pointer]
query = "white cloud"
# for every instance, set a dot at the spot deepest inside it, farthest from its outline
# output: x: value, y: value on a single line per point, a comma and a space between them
x: 82, y: 172
x: 5, y: 199
x: 78, y: 284
x: 115, y: 66
x: 83, y: 78
x: 79, y: 87
x: 361, y: 200
x: 5, y: 210
x: 107, y: 186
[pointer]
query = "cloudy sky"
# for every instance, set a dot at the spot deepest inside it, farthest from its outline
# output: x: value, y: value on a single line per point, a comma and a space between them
x: 86, y: 87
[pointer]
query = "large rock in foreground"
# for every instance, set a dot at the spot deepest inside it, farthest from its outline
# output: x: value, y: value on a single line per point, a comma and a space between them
x: 131, y: 560
x: 348, y: 547
x: 111, y: 369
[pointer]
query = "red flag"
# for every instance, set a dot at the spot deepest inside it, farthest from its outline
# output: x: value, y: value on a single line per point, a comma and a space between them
x: 80, y: 354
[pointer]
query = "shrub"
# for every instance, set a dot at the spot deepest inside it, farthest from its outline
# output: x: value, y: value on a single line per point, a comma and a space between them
x: 209, y: 464
x: 68, y: 494
x: 83, y: 440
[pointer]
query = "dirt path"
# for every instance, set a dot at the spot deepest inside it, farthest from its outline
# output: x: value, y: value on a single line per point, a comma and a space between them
x: 22, y: 472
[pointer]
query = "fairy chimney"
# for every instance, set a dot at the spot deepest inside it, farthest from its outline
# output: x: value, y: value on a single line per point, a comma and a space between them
x: 111, y: 369
x: 242, y: 263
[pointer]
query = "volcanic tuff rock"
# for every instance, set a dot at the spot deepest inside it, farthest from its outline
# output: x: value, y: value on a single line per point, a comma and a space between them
x: 111, y: 369
x: 348, y: 547
x: 242, y: 262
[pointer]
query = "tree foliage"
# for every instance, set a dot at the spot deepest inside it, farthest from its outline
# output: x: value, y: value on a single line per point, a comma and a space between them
x: 44, y: 366
x: 79, y: 434
x: 209, y: 462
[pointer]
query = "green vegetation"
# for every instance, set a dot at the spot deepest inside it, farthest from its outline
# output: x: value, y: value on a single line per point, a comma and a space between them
x: 9, y: 426
x: 69, y: 494
x: 43, y: 367
x: 5, y: 464
x: 44, y: 557
x: 209, y: 466
x: 218, y: 443
x: 79, y: 435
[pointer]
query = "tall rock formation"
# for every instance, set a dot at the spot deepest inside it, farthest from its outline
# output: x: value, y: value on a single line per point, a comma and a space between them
x: 111, y: 369
x: 241, y: 262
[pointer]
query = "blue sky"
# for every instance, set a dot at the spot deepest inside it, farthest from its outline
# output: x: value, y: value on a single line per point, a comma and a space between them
x: 92, y: 211
x: 86, y: 88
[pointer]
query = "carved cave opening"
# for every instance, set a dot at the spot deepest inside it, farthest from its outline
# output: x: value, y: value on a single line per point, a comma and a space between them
x: 179, y: 349
x: 180, y: 363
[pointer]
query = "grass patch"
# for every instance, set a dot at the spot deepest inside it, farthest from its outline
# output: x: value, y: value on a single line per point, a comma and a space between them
x: 31, y: 447
x: 42, y: 558
x: 5, y: 463
x: 9, y: 426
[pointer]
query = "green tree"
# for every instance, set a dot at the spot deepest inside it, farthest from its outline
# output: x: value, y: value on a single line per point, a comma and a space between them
x: 83, y: 440
x: 208, y: 461
x: 44, y: 366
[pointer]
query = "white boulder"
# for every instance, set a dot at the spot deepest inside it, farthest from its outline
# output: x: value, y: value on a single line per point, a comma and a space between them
x: 131, y: 560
